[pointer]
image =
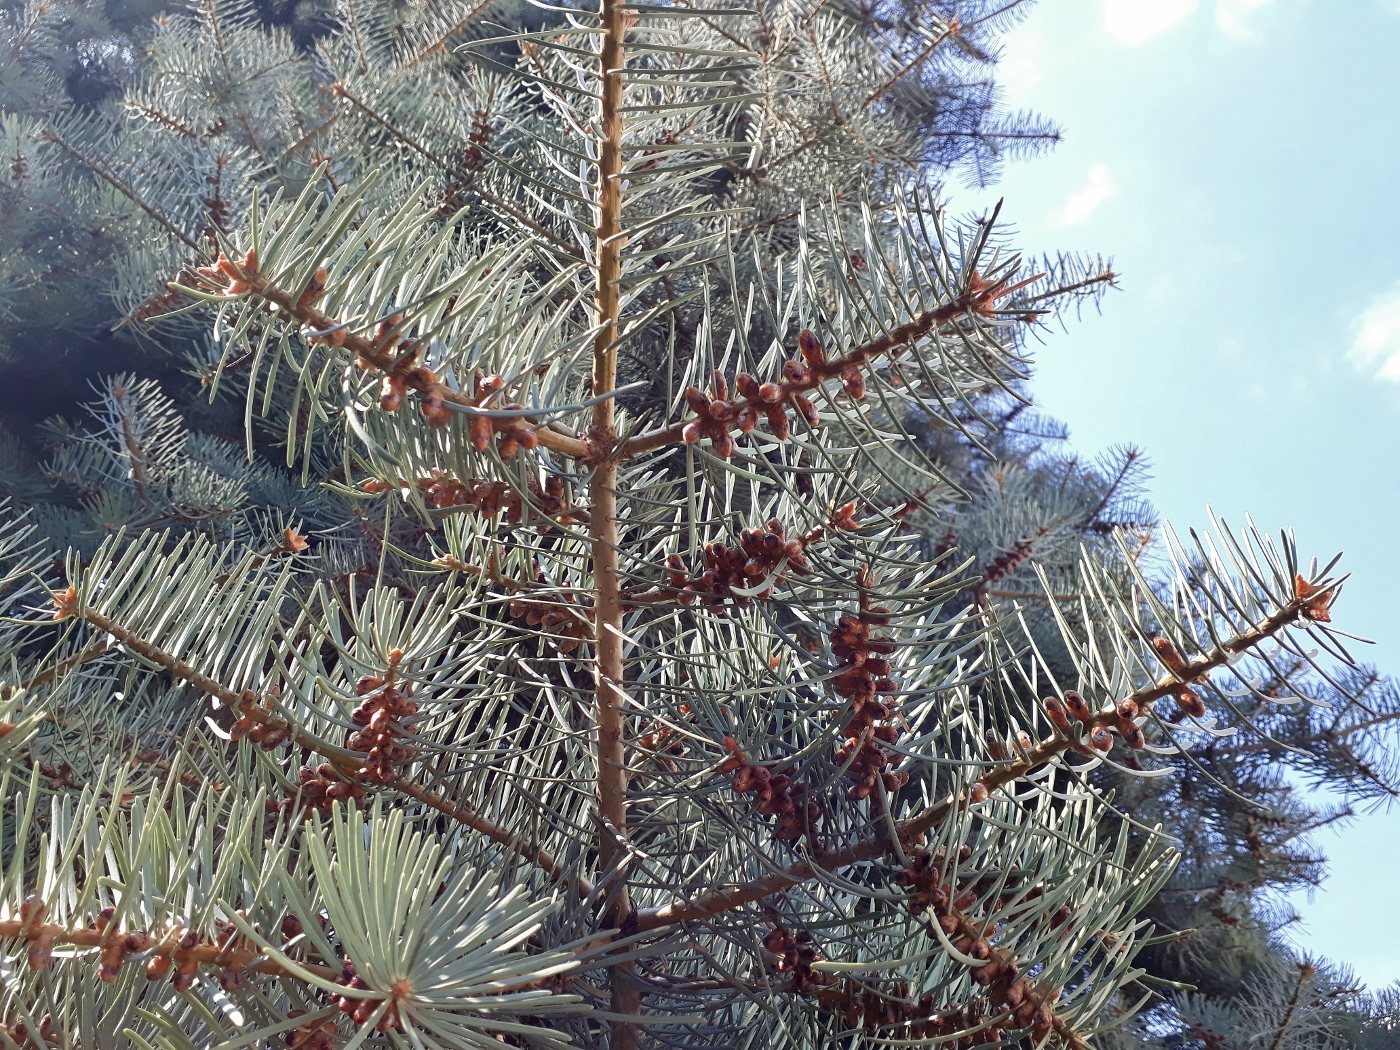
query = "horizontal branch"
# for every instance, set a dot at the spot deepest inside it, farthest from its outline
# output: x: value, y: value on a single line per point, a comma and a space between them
x: 245, y: 959
x: 384, y: 358
x: 55, y: 672
x: 978, y: 298
x: 721, y: 901
x: 338, y: 757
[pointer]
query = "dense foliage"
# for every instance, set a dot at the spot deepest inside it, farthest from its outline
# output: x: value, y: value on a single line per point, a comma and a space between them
x: 669, y: 625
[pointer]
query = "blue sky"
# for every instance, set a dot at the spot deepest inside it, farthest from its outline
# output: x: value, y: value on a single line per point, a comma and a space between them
x: 1238, y: 160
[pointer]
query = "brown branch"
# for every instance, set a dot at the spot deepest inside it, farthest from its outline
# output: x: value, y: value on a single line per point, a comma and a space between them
x: 1107, y: 277
x: 720, y: 901
x: 499, y: 203
x: 602, y: 525
x: 383, y: 357
x: 977, y: 298
x: 951, y: 29
x: 58, y: 670
x: 108, y: 176
x: 439, y: 45
x: 135, y: 453
x: 1304, y: 972
x: 205, y: 954
x: 838, y: 121
x: 347, y: 763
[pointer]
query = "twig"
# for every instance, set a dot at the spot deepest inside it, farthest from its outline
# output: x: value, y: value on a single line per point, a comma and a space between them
x: 720, y: 901
x: 344, y: 761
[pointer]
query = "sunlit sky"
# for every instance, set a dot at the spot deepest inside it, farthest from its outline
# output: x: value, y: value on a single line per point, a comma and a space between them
x: 1238, y: 160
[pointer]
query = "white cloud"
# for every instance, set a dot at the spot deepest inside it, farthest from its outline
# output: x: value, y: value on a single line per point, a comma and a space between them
x: 1020, y: 68
x: 1136, y: 21
x: 1375, y: 344
x: 1083, y: 202
x: 1234, y: 17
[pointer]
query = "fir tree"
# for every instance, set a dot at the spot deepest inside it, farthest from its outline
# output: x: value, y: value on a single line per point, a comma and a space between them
x: 668, y: 731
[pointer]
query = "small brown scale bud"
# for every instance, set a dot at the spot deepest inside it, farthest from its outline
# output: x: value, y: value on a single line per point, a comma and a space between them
x: 1190, y: 703
x: 318, y: 790
x: 795, y: 954
x: 1170, y: 656
x: 766, y: 554
x: 717, y: 416
x: 488, y: 499
x: 256, y: 724
x: 775, y: 794
x: 567, y: 622
x: 360, y: 1010
x: 383, y: 715
x: 865, y: 683
x: 1077, y: 707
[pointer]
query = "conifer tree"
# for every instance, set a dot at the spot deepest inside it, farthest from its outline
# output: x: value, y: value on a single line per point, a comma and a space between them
x: 655, y: 723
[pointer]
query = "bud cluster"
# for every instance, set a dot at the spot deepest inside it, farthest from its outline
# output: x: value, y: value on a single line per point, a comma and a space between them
x: 776, y: 794
x: 794, y: 953
x: 560, y: 616
x: 360, y: 1010
x: 257, y: 723
x: 1006, y: 988
x: 311, y: 1035
x: 226, y: 277
x: 318, y: 789
x: 1187, y: 699
x: 717, y: 416
x: 1007, y: 562
x: 763, y: 557
x: 663, y: 740
x: 32, y: 912
x: 380, y: 716
x: 1072, y: 708
x: 486, y: 498
x: 865, y: 684
x: 117, y: 948
x: 48, y: 1033
x: 1317, y: 601
x: 404, y: 373
x: 762, y: 554
x: 512, y: 433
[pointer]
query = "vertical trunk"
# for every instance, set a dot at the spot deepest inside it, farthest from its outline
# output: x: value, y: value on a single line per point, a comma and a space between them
x: 607, y: 622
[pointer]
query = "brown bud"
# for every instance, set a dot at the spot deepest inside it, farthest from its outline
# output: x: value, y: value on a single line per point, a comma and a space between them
x: 40, y: 951
x: 1077, y: 707
x: 696, y: 399
x: 479, y: 430
x: 1169, y: 654
x: 435, y: 411
x: 1055, y: 711
x: 1190, y: 703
